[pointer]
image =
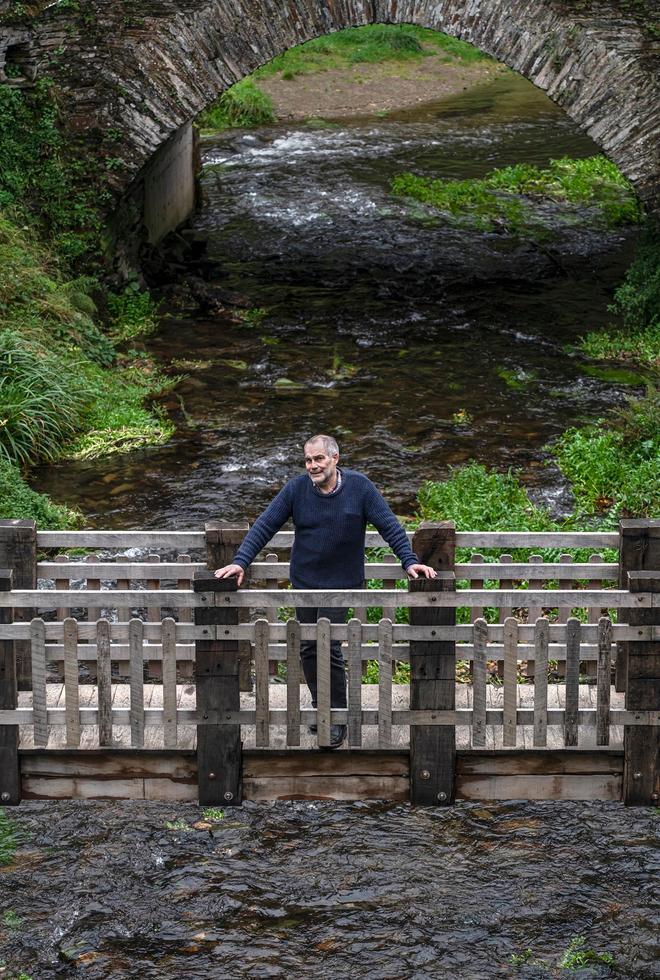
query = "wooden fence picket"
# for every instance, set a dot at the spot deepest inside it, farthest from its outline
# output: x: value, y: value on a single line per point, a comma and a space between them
x: 323, y: 689
x: 510, y: 681
x: 479, y: 683
x: 104, y: 682
x: 136, y: 660
x: 39, y: 696
x: 262, y: 707
x: 385, y: 683
x: 573, y: 627
x: 71, y: 677
x: 354, y: 683
x: 603, y: 681
x: 541, y: 643
x: 293, y: 672
x: 169, y: 683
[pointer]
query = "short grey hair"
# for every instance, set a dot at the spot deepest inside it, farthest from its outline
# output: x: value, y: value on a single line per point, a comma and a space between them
x: 329, y: 444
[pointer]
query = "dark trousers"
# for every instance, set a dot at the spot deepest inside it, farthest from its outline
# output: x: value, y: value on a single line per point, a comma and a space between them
x: 308, y: 656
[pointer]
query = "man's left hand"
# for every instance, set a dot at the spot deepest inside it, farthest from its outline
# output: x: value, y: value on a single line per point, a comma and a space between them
x: 414, y: 571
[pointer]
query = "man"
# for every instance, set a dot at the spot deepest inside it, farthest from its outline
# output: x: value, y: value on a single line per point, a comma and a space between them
x: 330, y: 509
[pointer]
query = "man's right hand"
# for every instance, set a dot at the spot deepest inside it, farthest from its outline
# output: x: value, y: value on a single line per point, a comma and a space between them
x: 229, y: 571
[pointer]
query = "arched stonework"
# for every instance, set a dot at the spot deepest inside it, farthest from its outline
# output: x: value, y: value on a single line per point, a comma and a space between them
x: 144, y: 70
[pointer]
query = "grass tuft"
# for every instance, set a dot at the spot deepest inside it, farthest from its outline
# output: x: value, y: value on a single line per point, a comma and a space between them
x: 242, y: 105
x: 505, y: 196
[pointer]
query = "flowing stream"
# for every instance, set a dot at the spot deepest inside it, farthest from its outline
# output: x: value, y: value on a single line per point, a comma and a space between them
x: 418, y: 344
x: 371, y: 891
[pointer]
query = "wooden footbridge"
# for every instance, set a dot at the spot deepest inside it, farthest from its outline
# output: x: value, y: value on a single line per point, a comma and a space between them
x: 530, y: 668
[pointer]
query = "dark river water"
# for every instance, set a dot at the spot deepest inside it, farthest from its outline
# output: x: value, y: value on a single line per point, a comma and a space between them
x: 418, y: 345
x: 370, y: 891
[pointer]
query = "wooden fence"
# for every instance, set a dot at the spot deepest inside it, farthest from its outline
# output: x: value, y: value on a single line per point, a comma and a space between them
x: 106, y: 650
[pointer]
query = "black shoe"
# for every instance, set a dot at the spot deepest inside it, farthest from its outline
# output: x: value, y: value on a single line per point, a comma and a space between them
x: 337, y: 736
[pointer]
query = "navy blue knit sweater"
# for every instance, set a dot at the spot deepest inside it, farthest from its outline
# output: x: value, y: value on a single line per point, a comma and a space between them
x: 328, y: 547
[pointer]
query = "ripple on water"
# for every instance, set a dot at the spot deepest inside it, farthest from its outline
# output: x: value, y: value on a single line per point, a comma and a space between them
x: 366, y: 889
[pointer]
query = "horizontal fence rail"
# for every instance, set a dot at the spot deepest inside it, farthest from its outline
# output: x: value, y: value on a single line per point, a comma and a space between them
x: 277, y: 598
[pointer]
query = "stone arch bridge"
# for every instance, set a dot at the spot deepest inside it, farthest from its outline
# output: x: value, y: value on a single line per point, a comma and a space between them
x: 134, y: 73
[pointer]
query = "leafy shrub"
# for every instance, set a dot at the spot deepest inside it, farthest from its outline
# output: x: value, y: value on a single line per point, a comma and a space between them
x: 614, y: 464
x: 637, y: 302
x: 477, y: 499
x: 19, y: 502
x: 133, y: 312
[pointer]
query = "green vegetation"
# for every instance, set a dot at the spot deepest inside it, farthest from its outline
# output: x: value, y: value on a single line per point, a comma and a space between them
x: 246, y: 105
x: 371, y: 44
x: 39, y: 183
x: 21, y: 503
x: 8, y: 840
x: 241, y: 105
x: 578, y: 955
x: 504, y: 197
x: 11, y: 920
x: 213, y: 813
x: 637, y: 303
x: 474, y: 497
x: 614, y: 464
x: 64, y: 389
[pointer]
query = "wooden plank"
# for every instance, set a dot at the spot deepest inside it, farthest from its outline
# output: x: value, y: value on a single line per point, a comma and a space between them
x: 432, y: 671
x: 604, y: 673
x: 541, y: 644
x: 309, y: 762
x: 545, y: 762
x: 354, y: 628
x: 264, y: 788
x: 323, y: 689
x: 71, y: 678
x: 269, y: 571
x: 217, y: 680
x: 261, y: 630
x: 479, y: 682
x: 104, y: 682
x: 293, y: 672
x: 116, y: 570
x: 38, y: 645
x: 510, y: 680
x: 495, y: 539
x: 385, y: 683
x: 572, y: 681
x: 642, y: 745
x: 524, y: 787
x: 272, y: 598
x: 135, y: 641
x: 120, y: 539
x: 185, y: 615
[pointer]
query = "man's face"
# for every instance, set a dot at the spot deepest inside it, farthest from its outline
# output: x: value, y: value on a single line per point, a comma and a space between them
x: 321, y: 467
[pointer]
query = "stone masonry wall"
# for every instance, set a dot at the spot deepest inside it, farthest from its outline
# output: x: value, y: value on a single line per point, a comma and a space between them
x: 133, y: 74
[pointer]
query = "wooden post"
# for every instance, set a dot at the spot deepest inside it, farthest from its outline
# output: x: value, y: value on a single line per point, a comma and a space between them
x: 639, y: 550
x: 18, y: 551
x: 10, y: 774
x: 222, y: 541
x: 216, y: 672
x: 641, y: 743
x: 433, y: 672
